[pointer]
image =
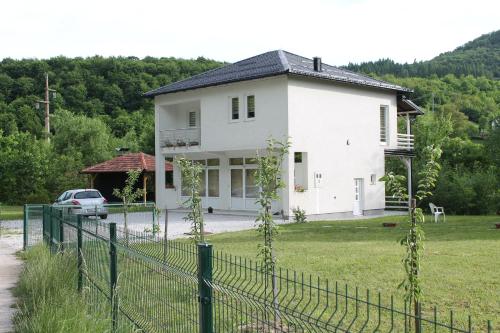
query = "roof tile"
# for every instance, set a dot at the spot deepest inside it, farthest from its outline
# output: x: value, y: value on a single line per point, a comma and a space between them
x: 124, y: 163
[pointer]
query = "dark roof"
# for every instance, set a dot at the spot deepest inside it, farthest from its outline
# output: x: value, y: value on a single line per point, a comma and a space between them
x: 271, y: 64
x: 124, y: 163
x: 407, y: 106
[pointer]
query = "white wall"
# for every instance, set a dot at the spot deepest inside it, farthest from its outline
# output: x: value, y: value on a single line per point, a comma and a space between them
x: 221, y: 137
x: 323, y: 117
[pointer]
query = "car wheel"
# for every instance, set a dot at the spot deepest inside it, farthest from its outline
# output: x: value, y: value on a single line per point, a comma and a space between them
x: 103, y: 217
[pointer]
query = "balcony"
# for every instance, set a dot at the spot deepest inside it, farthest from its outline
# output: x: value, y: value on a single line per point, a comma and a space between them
x: 182, y: 138
x: 404, y: 146
x: 405, y: 141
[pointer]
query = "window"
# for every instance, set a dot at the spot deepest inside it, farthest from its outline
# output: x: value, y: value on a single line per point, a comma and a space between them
x: 87, y: 195
x: 250, y: 107
x: 250, y: 160
x: 383, y: 123
x: 213, y: 162
x: 251, y: 188
x: 300, y: 171
x: 213, y: 182
x: 298, y: 157
x: 209, y: 179
x: 235, y: 108
x: 169, y: 179
x: 236, y: 161
x: 192, y: 119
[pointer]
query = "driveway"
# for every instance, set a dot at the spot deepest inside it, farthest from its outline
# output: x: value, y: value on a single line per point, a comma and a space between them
x: 178, y: 227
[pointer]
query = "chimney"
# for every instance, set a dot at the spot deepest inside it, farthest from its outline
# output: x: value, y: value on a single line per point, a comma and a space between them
x: 317, y: 64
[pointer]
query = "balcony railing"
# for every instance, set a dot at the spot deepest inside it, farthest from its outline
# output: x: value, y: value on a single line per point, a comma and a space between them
x: 180, y: 138
x: 392, y: 203
x: 405, y: 141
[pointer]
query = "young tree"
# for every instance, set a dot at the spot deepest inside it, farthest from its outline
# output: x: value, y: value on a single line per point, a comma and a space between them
x: 191, y: 180
x: 270, y: 182
x: 413, y: 240
x: 128, y: 194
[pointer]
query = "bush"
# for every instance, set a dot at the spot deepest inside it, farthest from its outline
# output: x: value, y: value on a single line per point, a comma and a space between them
x: 464, y: 191
x: 299, y: 215
x: 48, y: 298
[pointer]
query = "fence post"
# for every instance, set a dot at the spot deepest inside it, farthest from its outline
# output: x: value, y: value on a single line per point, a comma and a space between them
x: 204, y: 288
x: 79, y: 251
x: 44, y: 223
x: 113, y: 275
x: 25, y: 227
x: 51, y: 230
x: 61, y: 230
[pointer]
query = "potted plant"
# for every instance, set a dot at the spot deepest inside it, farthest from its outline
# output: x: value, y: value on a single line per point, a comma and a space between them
x: 299, y: 188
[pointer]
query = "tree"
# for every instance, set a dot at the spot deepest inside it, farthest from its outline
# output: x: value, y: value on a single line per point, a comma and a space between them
x: 128, y: 194
x: 413, y: 240
x: 270, y: 182
x: 78, y: 133
x: 191, y: 180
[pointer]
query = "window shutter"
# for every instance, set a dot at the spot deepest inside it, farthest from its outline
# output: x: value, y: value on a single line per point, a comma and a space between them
x: 383, y: 123
x: 192, y: 119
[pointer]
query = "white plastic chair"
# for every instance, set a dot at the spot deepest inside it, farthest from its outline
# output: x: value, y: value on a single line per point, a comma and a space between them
x: 436, y: 211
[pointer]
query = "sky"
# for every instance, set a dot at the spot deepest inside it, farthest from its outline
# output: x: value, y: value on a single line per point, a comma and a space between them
x: 339, y: 31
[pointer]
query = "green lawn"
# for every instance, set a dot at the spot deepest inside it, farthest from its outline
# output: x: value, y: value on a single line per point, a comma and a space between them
x: 11, y: 212
x: 460, y: 270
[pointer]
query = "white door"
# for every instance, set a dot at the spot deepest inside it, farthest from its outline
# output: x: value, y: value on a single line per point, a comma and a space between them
x: 358, y: 197
x: 244, y: 191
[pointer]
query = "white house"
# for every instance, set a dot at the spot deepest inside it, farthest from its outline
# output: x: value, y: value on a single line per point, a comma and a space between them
x: 342, y: 126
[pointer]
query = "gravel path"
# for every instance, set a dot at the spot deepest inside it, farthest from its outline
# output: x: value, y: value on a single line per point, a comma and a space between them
x: 10, y: 267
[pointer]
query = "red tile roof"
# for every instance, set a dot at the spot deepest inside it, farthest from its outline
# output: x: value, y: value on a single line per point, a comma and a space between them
x: 124, y: 163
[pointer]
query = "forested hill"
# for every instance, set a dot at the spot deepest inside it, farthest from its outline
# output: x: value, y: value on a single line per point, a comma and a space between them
x: 107, y: 88
x: 479, y: 57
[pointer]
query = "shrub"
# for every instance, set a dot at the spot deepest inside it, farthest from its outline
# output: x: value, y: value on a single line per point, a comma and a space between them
x: 299, y: 215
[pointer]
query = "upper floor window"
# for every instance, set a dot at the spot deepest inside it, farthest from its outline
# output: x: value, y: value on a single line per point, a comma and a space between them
x: 384, y: 110
x: 250, y: 106
x: 192, y: 119
x: 235, y: 108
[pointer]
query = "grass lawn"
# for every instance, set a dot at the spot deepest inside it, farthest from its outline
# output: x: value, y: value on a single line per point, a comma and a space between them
x: 11, y: 212
x: 460, y: 269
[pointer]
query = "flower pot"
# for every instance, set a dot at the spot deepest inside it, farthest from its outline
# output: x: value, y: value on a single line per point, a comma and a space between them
x: 389, y: 224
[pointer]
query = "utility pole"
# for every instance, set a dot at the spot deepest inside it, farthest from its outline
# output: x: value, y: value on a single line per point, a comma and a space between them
x: 46, y: 101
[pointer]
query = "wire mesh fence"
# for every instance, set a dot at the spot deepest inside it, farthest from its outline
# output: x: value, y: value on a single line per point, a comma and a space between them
x: 149, y: 284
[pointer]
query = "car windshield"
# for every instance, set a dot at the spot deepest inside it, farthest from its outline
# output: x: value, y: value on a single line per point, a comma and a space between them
x: 87, y: 195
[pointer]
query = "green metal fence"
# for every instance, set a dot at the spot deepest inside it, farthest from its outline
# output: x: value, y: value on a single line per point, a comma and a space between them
x: 147, y: 284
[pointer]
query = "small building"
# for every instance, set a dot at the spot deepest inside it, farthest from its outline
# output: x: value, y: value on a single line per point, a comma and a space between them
x: 112, y: 174
x: 343, y: 126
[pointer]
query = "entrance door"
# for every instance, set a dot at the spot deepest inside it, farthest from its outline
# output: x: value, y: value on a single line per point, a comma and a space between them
x: 244, y: 191
x: 237, y: 188
x: 358, y: 197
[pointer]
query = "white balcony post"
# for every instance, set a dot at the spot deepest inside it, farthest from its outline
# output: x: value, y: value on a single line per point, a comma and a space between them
x: 408, y: 131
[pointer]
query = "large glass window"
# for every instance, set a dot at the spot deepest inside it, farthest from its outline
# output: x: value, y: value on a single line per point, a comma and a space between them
x: 209, y: 179
x: 251, y: 189
x: 237, y: 183
x: 213, y: 182
x: 203, y: 184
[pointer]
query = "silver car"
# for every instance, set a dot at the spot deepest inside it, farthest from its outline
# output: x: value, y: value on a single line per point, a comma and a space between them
x: 87, y: 202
